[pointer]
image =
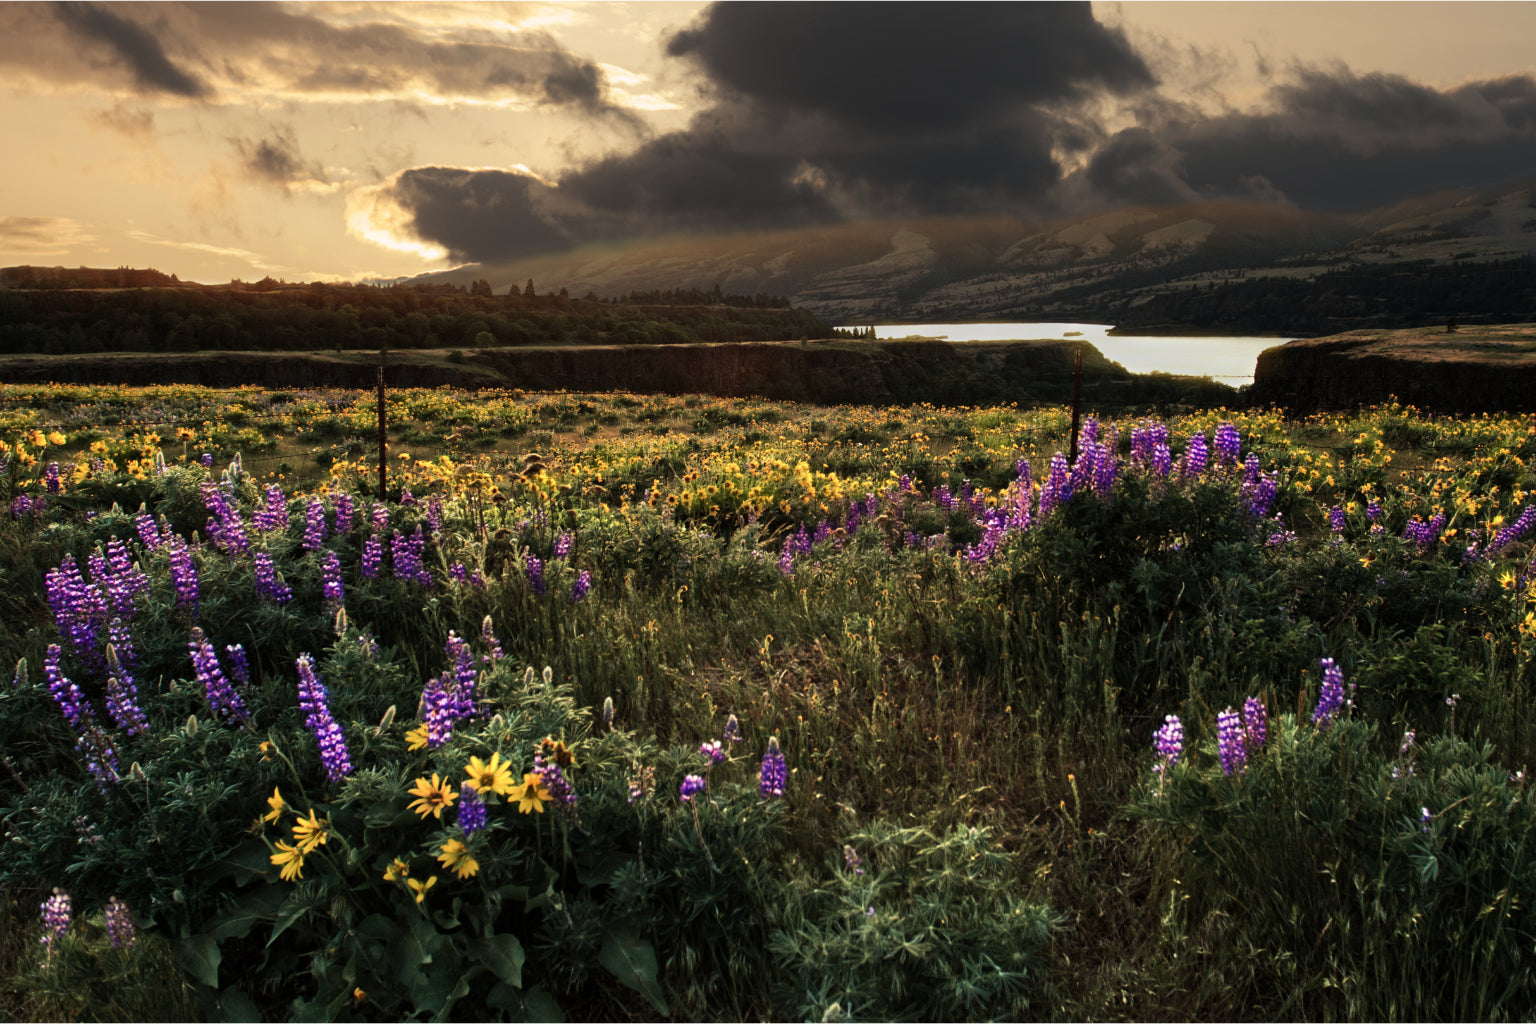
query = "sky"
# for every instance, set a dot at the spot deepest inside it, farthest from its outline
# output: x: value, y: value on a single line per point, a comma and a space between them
x: 356, y: 140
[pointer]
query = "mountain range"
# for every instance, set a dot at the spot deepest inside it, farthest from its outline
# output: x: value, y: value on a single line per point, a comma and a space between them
x: 937, y: 269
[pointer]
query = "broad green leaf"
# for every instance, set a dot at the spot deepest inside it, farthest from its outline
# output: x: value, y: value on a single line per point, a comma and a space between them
x: 413, y: 947
x: 292, y: 909
x: 258, y: 905
x: 200, y: 956
x: 632, y: 960
x: 539, y: 1005
x: 503, y: 954
x: 235, y: 1005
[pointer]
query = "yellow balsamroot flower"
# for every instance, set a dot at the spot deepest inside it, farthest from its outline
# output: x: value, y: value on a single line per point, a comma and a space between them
x: 530, y: 794
x: 397, y: 870
x: 495, y: 777
x: 290, y: 859
x: 57, y: 438
x: 38, y: 438
x: 457, y: 858
x: 275, y: 801
x: 310, y: 833
x: 421, y: 888
x: 432, y: 797
x: 416, y: 739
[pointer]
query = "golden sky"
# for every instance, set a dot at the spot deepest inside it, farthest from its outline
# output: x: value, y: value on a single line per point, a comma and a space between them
x: 351, y: 140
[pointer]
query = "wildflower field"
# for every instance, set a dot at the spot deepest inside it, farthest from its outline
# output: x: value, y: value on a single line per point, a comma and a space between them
x: 624, y: 707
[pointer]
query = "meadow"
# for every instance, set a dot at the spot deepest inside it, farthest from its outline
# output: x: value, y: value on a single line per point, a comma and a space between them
x: 647, y: 707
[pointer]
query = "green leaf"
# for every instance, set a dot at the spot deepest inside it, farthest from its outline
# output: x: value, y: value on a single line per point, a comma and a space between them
x: 200, y: 956
x: 414, y: 947
x: 292, y: 909
x: 503, y: 954
x: 541, y: 1006
x: 256, y: 906
x: 235, y: 1005
x: 632, y: 960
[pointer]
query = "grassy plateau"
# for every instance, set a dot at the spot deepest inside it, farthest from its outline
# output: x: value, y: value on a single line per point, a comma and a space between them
x: 647, y: 707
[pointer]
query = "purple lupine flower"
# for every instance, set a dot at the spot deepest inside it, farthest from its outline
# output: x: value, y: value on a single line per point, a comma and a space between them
x: 331, y: 586
x: 222, y: 698
x: 273, y: 515
x: 268, y: 586
x: 774, y: 774
x: 488, y: 637
x: 692, y: 785
x: 1056, y: 490
x: 1169, y: 740
x: 1229, y: 443
x: 534, y: 570
x: 581, y: 587
x: 787, y: 558
x: 226, y: 527
x: 314, y: 525
x: 1230, y: 747
x: 21, y: 506
x: 1196, y: 454
x: 852, y: 860
x: 315, y: 702
x: 407, y: 498
x: 149, y: 533
x: 207, y: 460
x: 55, y: 915
x: 405, y: 556
x: 732, y: 731
x: 558, y: 785
x: 1255, y: 724
x: 435, y: 514
x: 1162, y: 459
x: 373, y: 553
x: 563, y: 545
x: 1105, y: 467
x: 51, y: 478
x: 1424, y: 819
x: 439, y: 703
x: 380, y: 517
x: 713, y: 751
x: 120, y: 930
x: 1081, y: 478
x: 472, y: 813
x: 346, y: 513
x: 1514, y: 531
x: 100, y: 757
x: 68, y: 696
x: 1336, y: 519
x: 119, y: 924
x: 123, y: 697
x: 239, y: 667
x: 465, y: 675
x: 368, y: 646
x: 1257, y: 498
x: 1330, y: 699
x: 458, y: 573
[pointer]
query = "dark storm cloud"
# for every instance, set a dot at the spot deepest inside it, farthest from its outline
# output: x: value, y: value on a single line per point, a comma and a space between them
x: 904, y: 69
x: 1334, y: 141
x: 132, y: 45
x: 276, y: 159
x: 461, y: 209
x: 823, y: 112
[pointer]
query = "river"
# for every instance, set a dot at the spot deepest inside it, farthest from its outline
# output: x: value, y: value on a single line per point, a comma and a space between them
x: 1228, y: 359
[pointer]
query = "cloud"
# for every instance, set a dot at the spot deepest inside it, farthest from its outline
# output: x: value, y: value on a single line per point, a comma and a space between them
x: 254, y: 52
x: 133, y: 124
x: 132, y: 45
x: 275, y: 160
x: 817, y: 113
x: 1330, y: 139
x: 41, y: 236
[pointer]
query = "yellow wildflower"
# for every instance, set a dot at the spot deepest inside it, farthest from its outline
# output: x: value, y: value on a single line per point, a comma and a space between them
x: 420, y: 888
x: 495, y: 777
x: 309, y: 833
x: 432, y: 797
x: 275, y: 801
x: 397, y: 870
x: 457, y: 858
x: 531, y: 794
x: 416, y: 739
x: 290, y: 859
